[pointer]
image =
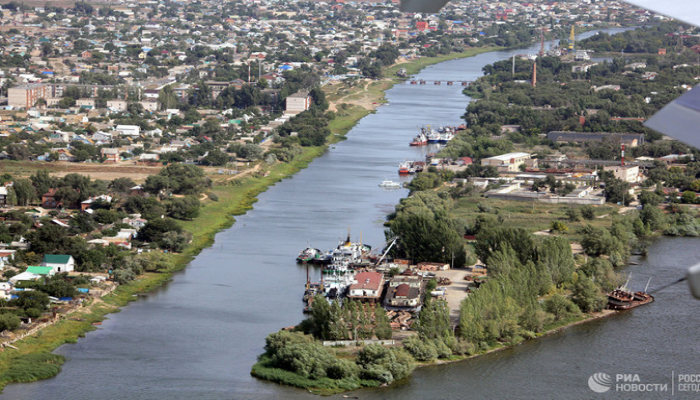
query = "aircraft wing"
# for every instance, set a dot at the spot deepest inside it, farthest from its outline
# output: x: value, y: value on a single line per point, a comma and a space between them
x: 422, y: 6
x: 683, y: 10
x: 680, y: 118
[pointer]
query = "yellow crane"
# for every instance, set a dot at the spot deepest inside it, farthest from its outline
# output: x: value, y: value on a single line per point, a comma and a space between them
x: 572, y: 38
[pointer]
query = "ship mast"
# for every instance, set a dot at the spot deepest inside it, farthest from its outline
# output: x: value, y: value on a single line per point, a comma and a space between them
x: 647, y: 286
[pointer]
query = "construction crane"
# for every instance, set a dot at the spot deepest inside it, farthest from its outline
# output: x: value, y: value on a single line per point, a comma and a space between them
x: 572, y: 38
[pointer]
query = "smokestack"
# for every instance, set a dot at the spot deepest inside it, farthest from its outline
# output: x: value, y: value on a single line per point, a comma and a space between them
x: 534, y: 74
x: 249, y: 72
x: 623, y: 155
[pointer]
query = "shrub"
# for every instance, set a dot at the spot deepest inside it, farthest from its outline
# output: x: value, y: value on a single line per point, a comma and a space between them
x: 561, y: 307
x: 421, y: 350
x: 9, y: 322
x: 588, y: 212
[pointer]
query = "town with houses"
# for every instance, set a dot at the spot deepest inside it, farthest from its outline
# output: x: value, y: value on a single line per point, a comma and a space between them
x: 179, y: 93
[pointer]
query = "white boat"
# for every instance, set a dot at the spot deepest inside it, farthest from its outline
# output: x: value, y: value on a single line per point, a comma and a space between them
x: 389, y: 184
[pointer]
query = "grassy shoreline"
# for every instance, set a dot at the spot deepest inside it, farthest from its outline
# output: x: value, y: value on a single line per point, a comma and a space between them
x: 33, y: 359
x: 327, y: 387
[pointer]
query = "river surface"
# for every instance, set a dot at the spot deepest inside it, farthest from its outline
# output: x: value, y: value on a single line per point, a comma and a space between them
x: 198, y: 336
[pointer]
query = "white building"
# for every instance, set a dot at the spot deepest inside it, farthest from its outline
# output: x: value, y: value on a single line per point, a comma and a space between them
x: 128, y: 130
x: 627, y: 173
x: 506, y: 162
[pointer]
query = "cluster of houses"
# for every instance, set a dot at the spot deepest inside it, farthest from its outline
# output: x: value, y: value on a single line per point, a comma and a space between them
x: 112, y: 57
x: 52, y: 264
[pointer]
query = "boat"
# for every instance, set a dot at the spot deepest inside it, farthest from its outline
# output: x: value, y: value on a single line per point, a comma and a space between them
x: 420, y: 140
x: 624, y: 299
x: 446, y: 137
x: 405, y: 168
x: 389, y: 184
x: 434, y: 137
x: 337, y: 277
x: 308, y: 255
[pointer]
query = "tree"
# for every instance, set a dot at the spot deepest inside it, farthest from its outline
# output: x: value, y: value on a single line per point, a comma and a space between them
x: 588, y: 212
x: 573, y: 214
x: 588, y: 296
x: 174, y: 241
x: 24, y: 191
x: 33, y: 299
x: 560, y: 307
x: 167, y: 98
x: 154, y: 229
x: 184, y: 208
x: 83, y: 223
x: 18, y: 151
x: 57, y: 286
x: 382, y: 326
x: 217, y: 158
x: 42, y: 181
x: 651, y: 198
x: 121, y: 185
x: 9, y: 322
x: 617, y: 191
x: 688, y: 197
x: 250, y: 152
x: 554, y: 255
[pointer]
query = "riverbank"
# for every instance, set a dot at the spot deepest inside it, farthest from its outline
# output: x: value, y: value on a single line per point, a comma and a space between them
x: 33, y: 359
x: 327, y: 386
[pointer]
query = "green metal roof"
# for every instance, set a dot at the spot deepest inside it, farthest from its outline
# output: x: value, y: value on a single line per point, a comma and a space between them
x: 39, y: 270
x: 56, y: 258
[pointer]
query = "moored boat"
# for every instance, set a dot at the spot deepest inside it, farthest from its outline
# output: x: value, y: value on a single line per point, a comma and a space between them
x: 389, y: 184
x: 420, y: 140
x: 624, y: 299
x: 308, y: 255
x: 405, y: 168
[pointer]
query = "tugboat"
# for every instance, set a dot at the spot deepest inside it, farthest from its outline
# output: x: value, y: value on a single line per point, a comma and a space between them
x: 624, y: 299
x: 308, y: 255
x: 420, y: 140
x: 405, y: 168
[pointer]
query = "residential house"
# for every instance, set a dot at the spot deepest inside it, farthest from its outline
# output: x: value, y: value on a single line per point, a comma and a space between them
x: 137, y: 222
x: 48, y: 200
x: 111, y: 155
x: 3, y: 196
x: 117, y: 105
x: 58, y: 263
x: 6, y: 289
x: 32, y: 274
x: 88, y: 203
x: 298, y: 102
x: 6, y: 256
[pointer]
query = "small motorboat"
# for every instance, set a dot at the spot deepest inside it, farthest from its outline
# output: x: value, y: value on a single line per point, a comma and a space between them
x: 389, y: 184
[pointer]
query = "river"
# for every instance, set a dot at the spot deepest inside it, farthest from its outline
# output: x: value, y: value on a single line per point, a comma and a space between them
x: 199, y: 335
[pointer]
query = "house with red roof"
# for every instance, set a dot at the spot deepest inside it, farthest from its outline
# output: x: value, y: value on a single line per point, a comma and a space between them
x: 367, y: 286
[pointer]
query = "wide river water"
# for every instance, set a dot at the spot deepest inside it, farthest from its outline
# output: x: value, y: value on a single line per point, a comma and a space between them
x: 198, y: 336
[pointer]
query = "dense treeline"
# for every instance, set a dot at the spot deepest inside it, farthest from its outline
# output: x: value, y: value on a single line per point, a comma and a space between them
x: 299, y: 360
x: 425, y: 231
x: 647, y: 39
x: 561, y: 97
